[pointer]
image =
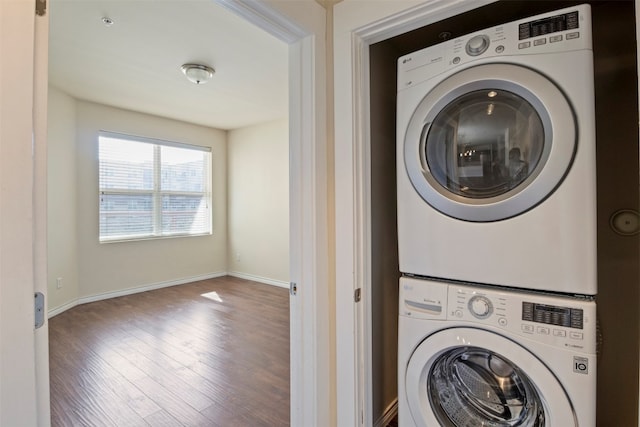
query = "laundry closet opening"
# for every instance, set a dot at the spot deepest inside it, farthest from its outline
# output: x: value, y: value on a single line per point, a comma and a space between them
x: 614, y: 51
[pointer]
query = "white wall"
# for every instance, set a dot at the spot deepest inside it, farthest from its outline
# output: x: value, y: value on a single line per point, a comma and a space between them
x: 109, y: 269
x: 61, y: 201
x: 250, y: 216
x: 258, y: 202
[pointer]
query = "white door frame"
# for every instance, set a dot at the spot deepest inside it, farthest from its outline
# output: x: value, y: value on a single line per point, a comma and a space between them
x: 357, y: 25
x: 18, y: 402
x: 24, y: 379
x: 40, y: 100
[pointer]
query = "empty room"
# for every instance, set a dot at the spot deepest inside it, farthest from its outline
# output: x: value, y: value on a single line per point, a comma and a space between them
x: 168, y: 216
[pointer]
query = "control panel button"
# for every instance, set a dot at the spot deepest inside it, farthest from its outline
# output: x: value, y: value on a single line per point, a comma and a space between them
x: 456, y: 60
x: 458, y: 313
x: 576, y: 335
x: 528, y: 329
x: 524, y: 45
x: 573, y: 35
x: 502, y: 321
x: 539, y: 42
x: 543, y: 330
x: 477, y: 45
x: 554, y: 39
x: 559, y: 333
x: 499, y: 49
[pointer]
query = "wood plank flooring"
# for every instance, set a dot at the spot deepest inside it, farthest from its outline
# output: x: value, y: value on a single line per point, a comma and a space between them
x: 208, y: 353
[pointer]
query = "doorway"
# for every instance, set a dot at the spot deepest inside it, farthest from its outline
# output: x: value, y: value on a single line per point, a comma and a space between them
x: 364, y: 30
x: 104, y: 41
x: 308, y: 174
x: 100, y: 82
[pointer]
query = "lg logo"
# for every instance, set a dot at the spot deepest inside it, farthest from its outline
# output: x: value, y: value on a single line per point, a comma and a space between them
x: 580, y: 365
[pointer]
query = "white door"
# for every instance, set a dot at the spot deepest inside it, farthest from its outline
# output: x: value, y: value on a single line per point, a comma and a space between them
x: 461, y: 377
x: 23, y: 368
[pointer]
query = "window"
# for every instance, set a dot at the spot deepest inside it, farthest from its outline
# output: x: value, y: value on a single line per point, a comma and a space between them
x: 151, y: 188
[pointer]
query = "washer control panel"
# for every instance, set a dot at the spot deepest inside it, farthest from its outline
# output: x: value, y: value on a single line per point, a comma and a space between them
x: 556, y: 320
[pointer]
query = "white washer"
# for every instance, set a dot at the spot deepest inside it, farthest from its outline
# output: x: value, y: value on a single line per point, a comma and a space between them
x: 496, y: 156
x: 471, y: 356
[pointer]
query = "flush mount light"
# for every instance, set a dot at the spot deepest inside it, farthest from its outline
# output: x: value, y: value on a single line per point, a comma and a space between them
x: 197, y: 73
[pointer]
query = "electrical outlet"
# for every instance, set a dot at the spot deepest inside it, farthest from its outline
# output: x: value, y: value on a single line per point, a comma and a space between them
x: 59, y: 283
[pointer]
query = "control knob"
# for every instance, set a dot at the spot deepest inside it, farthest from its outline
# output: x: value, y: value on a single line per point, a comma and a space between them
x: 480, y: 306
x: 477, y: 45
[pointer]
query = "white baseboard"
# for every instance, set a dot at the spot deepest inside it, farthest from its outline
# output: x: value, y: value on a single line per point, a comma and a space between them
x: 62, y: 308
x: 389, y: 413
x: 264, y: 280
x: 131, y: 291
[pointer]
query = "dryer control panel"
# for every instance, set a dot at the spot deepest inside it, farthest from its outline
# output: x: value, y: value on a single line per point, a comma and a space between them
x: 561, y: 321
x: 554, y: 32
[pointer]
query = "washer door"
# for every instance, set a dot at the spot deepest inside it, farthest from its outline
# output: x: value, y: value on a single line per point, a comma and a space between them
x: 465, y: 377
x: 490, y: 142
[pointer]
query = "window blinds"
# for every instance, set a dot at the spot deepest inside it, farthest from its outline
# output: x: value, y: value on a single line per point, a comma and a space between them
x: 150, y: 188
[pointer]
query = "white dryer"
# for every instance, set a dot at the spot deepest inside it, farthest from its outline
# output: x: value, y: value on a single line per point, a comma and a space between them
x: 496, y: 156
x: 481, y: 356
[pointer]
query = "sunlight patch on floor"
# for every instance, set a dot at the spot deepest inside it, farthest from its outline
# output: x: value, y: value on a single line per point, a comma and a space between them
x: 212, y: 296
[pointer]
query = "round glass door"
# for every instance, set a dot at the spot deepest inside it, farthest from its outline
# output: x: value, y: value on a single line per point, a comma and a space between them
x: 490, y: 142
x: 484, y: 144
x: 468, y: 384
x: 495, y: 382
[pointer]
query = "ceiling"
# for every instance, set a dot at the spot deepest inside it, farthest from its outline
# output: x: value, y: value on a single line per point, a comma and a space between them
x: 135, y: 63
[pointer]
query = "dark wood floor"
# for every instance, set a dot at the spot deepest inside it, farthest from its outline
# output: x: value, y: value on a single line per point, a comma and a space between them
x: 209, y: 353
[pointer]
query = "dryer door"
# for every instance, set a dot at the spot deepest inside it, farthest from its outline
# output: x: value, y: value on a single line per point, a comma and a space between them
x: 464, y: 377
x: 490, y: 142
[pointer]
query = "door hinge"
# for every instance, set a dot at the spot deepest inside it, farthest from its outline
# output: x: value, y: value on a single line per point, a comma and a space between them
x: 39, y: 309
x: 293, y: 288
x: 357, y: 295
x: 41, y: 7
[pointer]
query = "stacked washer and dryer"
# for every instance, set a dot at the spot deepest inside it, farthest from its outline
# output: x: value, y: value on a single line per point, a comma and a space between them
x: 497, y: 227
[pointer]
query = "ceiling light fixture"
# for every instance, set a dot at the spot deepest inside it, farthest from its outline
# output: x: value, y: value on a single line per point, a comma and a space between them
x: 197, y: 73
x: 107, y: 21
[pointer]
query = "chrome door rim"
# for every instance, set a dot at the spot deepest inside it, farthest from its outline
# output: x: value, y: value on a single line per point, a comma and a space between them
x: 557, y: 404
